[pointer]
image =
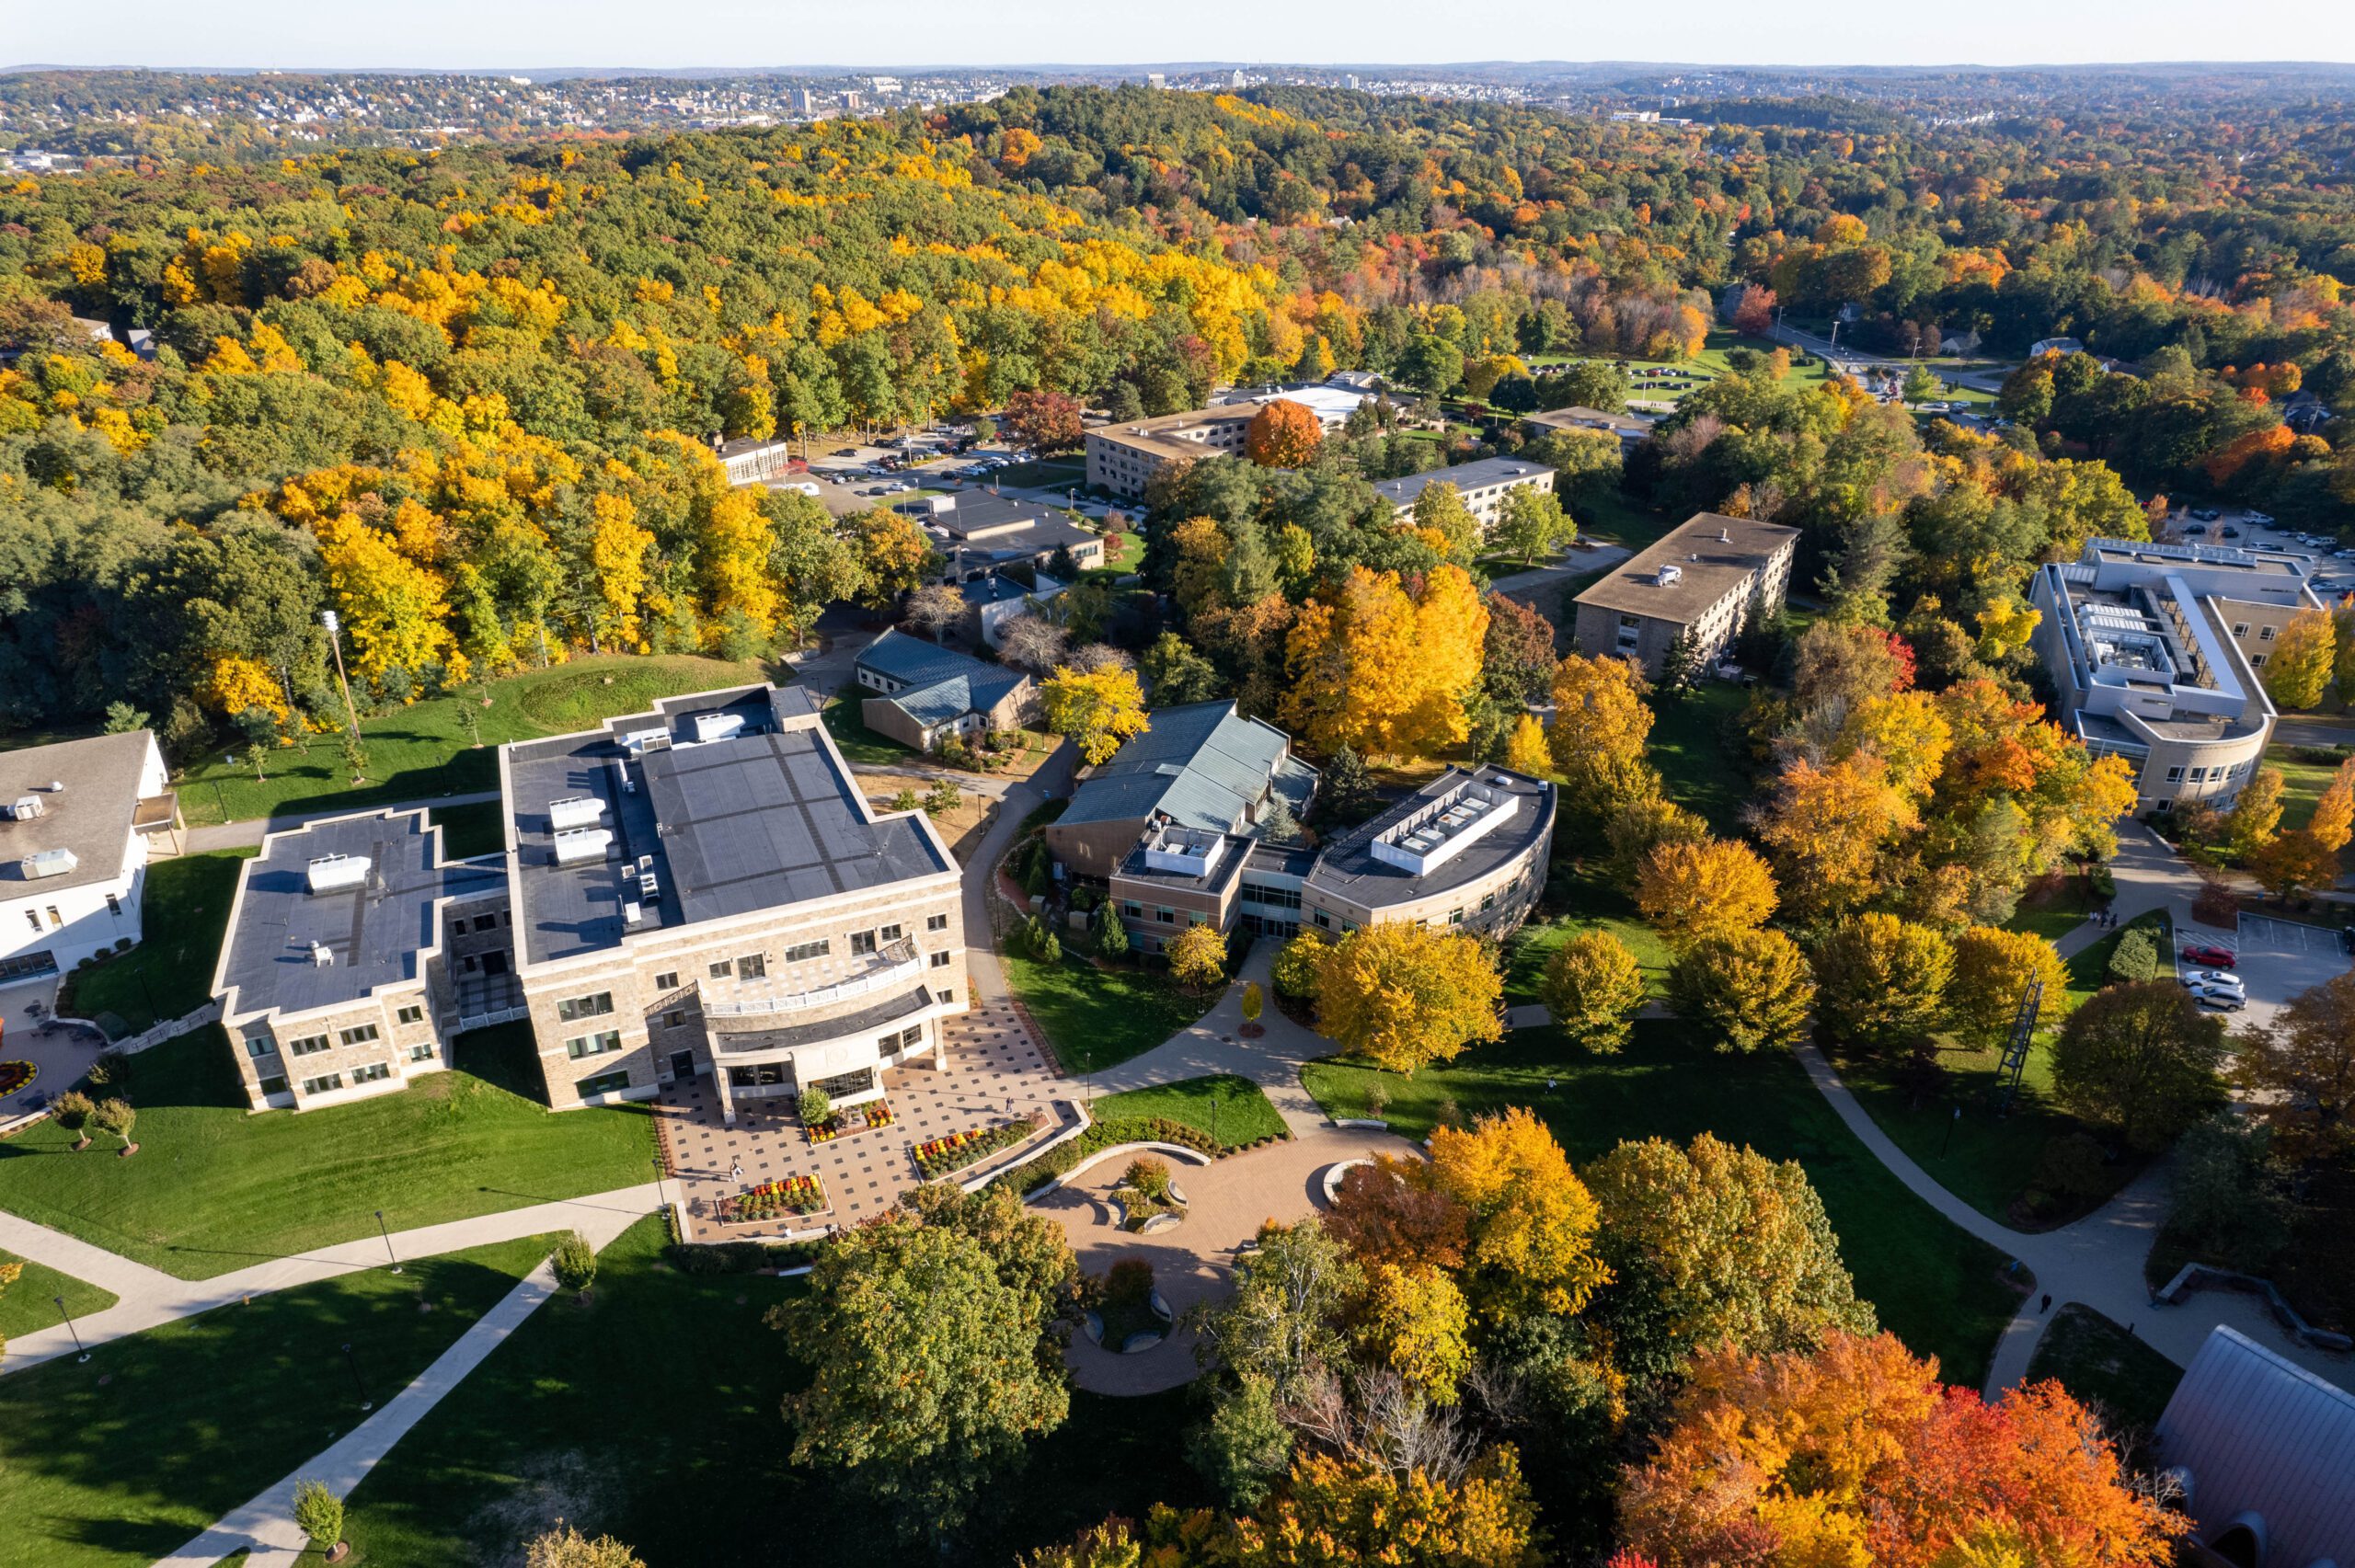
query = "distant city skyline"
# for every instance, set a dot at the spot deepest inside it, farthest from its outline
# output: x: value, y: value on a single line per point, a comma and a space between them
x: 707, y: 34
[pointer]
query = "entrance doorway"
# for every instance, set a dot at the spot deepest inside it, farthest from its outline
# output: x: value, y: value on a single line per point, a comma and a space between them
x: 683, y: 1064
x: 495, y: 963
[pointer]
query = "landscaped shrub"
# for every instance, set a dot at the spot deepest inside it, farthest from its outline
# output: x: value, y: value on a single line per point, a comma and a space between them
x: 939, y: 1157
x: 1110, y: 1133
x: 817, y: 1107
x: 741, y: 1257
x: 1149, y: 1176
x: 2136, y: 957
x: 575, y: 1262
x: 319, y: 1514
x: 72, y: 1111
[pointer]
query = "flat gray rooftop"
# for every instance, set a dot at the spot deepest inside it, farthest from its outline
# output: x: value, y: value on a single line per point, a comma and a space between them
x: 379, y: 932
x: 761, y: 819
x: 1348, y: 868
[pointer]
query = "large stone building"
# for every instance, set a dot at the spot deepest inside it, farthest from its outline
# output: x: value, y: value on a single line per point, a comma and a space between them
x: 2155, y: 652
x: 701, y: 888
x: 1124, y: 458
x: 1706, y: 575
x: 1483, y: 484
x: 75, y: 819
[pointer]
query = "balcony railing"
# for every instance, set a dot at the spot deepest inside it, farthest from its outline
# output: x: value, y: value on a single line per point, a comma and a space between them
x: 895, y: 965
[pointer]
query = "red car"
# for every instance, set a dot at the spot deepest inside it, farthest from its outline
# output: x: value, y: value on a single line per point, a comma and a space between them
x: 2214, y: 957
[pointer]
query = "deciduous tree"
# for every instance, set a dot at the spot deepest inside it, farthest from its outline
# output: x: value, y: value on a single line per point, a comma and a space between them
x: 1826, y: 827
x: 1747, y: 990
x: 1882, y: 982
x: 1403, y: 997
x: 1525, y: 750
x: 2255, y: 816
x: 2141, y: 1058
x: 1592, y: 986
x: 1992, y: 969
x: 2305, y: 657
x: 1392, y: 1209
x: 1099, y: 710
x: 1532, y: 523
x: 1533, y: 1221
x: 1376, y: 669
x: 565, y: 1546
x: 1045, y: 420
x: 893, y: 552
x: 1693, y: 889
x: 2304, y: 1065
x: 1197, y: 957
x: 1413, y: 1322
x: 1283, y: 434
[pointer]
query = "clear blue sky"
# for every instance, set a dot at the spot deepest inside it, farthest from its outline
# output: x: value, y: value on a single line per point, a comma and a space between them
x: 457, y: 34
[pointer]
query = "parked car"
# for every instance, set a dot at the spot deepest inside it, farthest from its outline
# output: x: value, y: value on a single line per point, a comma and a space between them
x: 2195, y: 531
x: 2214, y: 958
x: 2220, y: 999
x: 2206, y: 514
x: 2228, y: 532
x: 2221, y: 978
x: 2258, y: 517
x: 847, y: 451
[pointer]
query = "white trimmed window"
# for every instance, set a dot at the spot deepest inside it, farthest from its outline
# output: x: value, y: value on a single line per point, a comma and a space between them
x: 596, y: 1045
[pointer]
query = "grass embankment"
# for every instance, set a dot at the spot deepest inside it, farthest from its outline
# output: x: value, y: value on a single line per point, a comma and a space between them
x: 215, y: 1187
x: 168, y: 974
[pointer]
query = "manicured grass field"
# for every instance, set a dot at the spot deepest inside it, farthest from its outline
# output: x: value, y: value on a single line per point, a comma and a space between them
x: 427, y: 748
x: 215, y: 1187
x: 478, y: 827
x: 1095, y: 1018
x: 1700, y: 759
x: 856, y: 742
x: 684, y: 1457
x: 1049, y: 471
x: 2053, y: 912
x: 1618, y: 519
x: 2301, y: 787
x: 1244, y: 1116
x: 169, y: 973
x: 31, y: 1302
x: 2103, y: 1364
x: 1598, y: 905
x: 122, y: 1460
x: 1937, y: 1288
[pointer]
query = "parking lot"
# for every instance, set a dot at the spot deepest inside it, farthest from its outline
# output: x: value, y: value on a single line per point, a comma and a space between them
x: 2277, y: 959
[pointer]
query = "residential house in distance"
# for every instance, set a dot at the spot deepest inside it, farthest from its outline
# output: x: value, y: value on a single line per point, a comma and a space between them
x: 75, y: 821
x: 991, y: 601
x: 1124, y: 458
x: 1202, y: 767
x: 705, y: 888
x: 355, y: 953
x: 2265, y: 1452
x: 2155, y: 652
x: 1484, y: 484
x: 1706, y: 575
x: 926, y: 692
x: 978, y: 534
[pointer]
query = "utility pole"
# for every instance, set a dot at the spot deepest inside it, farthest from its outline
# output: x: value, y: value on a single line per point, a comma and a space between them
x: 328, y: 619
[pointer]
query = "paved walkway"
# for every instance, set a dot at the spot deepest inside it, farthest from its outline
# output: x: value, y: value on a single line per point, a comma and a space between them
x: 1216, y: 1044
x: 266, y: 1525
x: 1576, y: 564
x: 148, y: 1297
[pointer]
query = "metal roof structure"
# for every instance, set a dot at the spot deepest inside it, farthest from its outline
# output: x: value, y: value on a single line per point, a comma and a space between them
x: 942, y: 685
x: 2266, y: 1442
x: 1202, y: 766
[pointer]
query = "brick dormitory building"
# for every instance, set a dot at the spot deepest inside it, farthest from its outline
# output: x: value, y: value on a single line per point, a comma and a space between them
x: 698, y: 890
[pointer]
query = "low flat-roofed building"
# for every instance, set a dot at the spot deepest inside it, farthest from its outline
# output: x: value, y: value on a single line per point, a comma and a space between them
x: 1483, y: 484
x: 994, y: 599
x: 704, y: 887
x: 752, y: 459
x: 1706, y: 575
x: 1176, y: 876
x: 75, y: 821
x: 978, y: 534
x: 1631, y: 429
x: 336, y: 978
x: 2265, y: 1452
x: 1125, y: 457
x: 925, y: 693
x: 2155, y: 652
x: 1467, y: 852
x: 1201, y: 767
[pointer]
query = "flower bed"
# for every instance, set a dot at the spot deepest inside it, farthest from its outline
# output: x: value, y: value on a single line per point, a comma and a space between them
x: 774, y: 1200
x: 939, y: 1157
x: 859, y: 1118
x: 1029, y: 1178
x: 15, y: 1075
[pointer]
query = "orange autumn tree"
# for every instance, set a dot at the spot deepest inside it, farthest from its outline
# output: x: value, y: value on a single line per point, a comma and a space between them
x: 1384, y: 671
x: 1283, y: 434
x: 1856, y: 1454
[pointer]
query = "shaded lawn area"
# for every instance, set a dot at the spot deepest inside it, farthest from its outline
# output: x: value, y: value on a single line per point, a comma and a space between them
x: 856, y: 742
x: 31, y: 1302
x: 1613, y: 517
x: 215, y: 1187
x: 1600, y: 905
x: 688, y: 1464
x: 1703, y: 768
x: 1095, y: 1018
x: 2053, y: 909
x: 122, y: 1460
x: 427, y: 748
x: 1243, y: 1114
x: 168, y: 973
x: 1937, y: 1287
x: 477, y: 827
x: 1064, y: 471
x: 2302, y: 787
x: 2103, y: 1364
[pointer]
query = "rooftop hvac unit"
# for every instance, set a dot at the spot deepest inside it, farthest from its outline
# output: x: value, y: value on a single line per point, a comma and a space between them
x: 632, y: 912
x: 575, y: 811
x: 331, y: 872
x: 1670, y: 576
x: 583, y: 843
x: 621, y: 778
x: 322, y: 956
x: 643, y: 740
x: 718, y: 726
x: 25, y: 807
x: 47, y: 863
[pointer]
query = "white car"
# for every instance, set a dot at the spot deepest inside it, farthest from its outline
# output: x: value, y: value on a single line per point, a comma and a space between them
x: 2219, y: 978
x: 2217, y: 997
x: 2258, y: 517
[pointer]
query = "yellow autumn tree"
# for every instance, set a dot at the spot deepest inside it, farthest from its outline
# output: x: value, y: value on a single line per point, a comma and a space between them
x: 1992, y: 969
x: 617, y: 550
x: 1692, y: 890
x: 1825, y: 826
x: 234, y: 683
x: 1533, y: 1221
x: 2304, y: 656
x: 1599, y: 714
x: 1414, y: 1322
x: 393, y: 608
x: 1097, y: 708
x: 1403, y: 997
x: 1374, y: 668
x: 1525, y: 750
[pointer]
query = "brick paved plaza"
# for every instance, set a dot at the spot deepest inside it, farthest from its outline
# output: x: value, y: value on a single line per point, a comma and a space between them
x: 992, y: 1064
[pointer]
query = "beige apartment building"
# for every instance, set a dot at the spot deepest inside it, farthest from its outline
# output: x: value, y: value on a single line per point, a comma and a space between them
x: 2155, y: 652
x: 1705, y: 576
x: 1483, y: 485
x: 1123, y: 458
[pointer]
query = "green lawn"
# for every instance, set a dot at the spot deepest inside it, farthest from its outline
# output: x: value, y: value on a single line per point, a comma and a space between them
x: 1243, y: 1114
x: 1937, y: 1287
x: 169, y: 972
x: 2301, y: 787
x: 31, y: 1302
x: 1600, y: 905
x: 122, y: 1460
x: 2053, y: 912
x: 2103, y: 1364
x: 856, y: 742
x: 1122, y: 553
x: 215, y: 1187
x: 1618, y: 519
x: 685, y: 1457
x: 1093, y: 1017
x: 1059, y: 472
x: 426, y: 748
x: 1701, y: 761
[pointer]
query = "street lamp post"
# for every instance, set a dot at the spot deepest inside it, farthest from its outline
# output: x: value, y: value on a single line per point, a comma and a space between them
x: 353, y: 1361
x: 1949, y: 1136
x: 1214, y: 1124
x: 334, y: 624
x: 386, y: 1231
x: 80, y: 1355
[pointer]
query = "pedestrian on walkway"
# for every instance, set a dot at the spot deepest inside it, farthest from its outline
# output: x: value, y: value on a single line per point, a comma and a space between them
x: 2048, y: 1304
x: 736, y: 1174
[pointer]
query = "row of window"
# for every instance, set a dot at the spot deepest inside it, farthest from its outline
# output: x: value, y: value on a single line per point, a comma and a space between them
x: 328, y: 1083
x: 56, y: 919
x: 2218, y: 774
x: 482, y: 922
x: 1160, y: 916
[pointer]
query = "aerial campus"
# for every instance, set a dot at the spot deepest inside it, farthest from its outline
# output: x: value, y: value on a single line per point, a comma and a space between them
x: 1248, y: 815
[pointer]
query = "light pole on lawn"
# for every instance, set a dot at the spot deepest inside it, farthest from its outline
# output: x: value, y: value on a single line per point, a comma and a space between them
x: 80, y: 1355
x: 386, y: 1231
x: 1949, y: 1138
x: 353, y: 1361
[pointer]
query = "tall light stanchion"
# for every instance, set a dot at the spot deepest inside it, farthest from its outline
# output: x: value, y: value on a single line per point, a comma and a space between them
x: 80, y: 1355
x: 366, y: 1404
x: 384, y: 1231
x: 1949, y: 1136
x: 328, y: 619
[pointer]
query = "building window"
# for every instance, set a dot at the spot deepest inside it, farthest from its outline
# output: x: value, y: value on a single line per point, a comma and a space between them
x: 1133, y: 911
x: 667, y: 980
x: 458, y: 926
x: 722, y: 970
x: 802, y: 952
x: 259, y: 1045
x: 940, y: 959
x: 374, y: 1072
x: 309, y: 1045
x: 360, y: 1034
x: 114, y: 905
x: 274, y: 1085
x: 573, y: 1008
x: 1164, y: 917
x: 56, y: 920
x: 751, y: 966
x: 948, y: 996
x: 2258, y: 661
x: 912, y: 1036
x: 1323, y: 920
x: 862, y: 943
x: 412, y: 1013
x: 604, y: 1083
x: 2264, y: 635
x: 1488, y: 903
x: 2175, y: 775
x: 421, y: 1051
x: 332, y: 1081
x: 32, y: 919
x: 2240, y: 628
x: 890, y: 934
x: 1455, y: 917
x: 936, y: 922
x: 675, y: 1019
x: 592, y: 1045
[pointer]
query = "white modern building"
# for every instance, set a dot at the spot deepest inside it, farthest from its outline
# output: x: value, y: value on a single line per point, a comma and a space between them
x: 76, y: 821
